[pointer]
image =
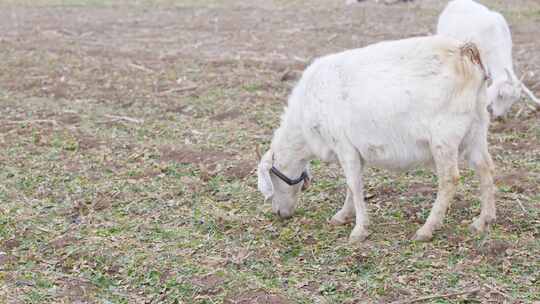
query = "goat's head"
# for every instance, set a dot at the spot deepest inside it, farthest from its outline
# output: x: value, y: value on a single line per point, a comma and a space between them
x: 503, y: 94
x: 272, y: 186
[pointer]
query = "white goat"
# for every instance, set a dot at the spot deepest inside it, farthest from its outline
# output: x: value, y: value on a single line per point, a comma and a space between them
x: 467, y: 20
x: 396, y: 105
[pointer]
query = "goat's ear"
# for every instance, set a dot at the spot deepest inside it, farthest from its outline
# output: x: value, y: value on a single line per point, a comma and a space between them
x: 509, y: 77
x: 264, y: 181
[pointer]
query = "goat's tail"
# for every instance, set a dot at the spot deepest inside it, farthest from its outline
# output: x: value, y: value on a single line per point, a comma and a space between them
x: 471, y: 77
x: 471, y: 61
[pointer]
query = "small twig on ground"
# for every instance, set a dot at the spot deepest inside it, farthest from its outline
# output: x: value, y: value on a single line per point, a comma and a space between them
x: 38, y: 77
x: 125, y: 118
x: 440, y: 296
x: 285, y: 75
x: 86, y: 34
x: 521, y: 205
x: 518, y: 114
x: 43, y: 229
x: 178, y: 90
x: 67, y: 32
x: 140, y: 67
x: 32, y: 121
x: 301, y: 59
x: 135, y: 156
x: 332, y: 38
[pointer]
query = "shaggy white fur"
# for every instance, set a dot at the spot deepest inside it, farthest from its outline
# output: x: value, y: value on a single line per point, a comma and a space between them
x: 396, y: 105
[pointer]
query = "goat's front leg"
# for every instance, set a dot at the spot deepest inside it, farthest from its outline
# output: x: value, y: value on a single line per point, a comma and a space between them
x: 446, y: 162
x: 352, y: 165
x: 346, y: 214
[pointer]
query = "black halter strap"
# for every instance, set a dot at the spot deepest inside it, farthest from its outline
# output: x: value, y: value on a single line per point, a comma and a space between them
x: 288, y: 181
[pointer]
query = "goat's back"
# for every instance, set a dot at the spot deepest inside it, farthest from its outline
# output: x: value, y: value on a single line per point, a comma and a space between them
x: 389, y: 99
x: 420, y: 73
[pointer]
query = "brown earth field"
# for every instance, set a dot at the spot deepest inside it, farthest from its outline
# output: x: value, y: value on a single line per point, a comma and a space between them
x: 128, y: 132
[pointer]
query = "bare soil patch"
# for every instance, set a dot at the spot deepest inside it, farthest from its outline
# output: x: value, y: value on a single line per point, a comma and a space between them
x: 494, y: 248
x: 75, y: 289
x: 227, y: 115
x: 241, y: 169
x: 6, y: 259
x: 518, y: 181
x: 510, y: 125
x: 70, y: 119
x: 209, y: 284
x: 256, y: 297
x: 87, y: 142
x: 62, y: 241
x: 421, y: 189
x: 10, y: 244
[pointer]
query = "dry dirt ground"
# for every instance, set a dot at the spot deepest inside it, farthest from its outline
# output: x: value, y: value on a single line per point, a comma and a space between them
x: 127, y: 139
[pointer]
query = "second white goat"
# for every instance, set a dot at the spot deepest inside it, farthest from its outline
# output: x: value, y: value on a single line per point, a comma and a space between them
x: 468, y: 20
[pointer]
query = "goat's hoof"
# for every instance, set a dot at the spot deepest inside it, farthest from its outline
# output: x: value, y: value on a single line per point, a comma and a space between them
x: 478, y: 226
x: 358, y: 236
x: 339, y: 220
x: 423, y: 236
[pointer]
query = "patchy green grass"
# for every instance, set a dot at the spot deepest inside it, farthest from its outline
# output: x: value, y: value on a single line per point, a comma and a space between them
x: 127, y: 157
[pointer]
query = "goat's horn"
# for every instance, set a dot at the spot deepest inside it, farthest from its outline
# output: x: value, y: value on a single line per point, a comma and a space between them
x: 530, y: 94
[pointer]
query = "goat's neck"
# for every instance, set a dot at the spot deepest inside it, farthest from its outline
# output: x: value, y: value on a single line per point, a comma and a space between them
x: 290, y: 151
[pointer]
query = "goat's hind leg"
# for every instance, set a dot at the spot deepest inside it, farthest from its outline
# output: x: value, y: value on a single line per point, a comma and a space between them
x: 481, y: 161
x: 446, y: 162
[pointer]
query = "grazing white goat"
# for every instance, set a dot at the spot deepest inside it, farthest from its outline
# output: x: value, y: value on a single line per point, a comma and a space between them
x: 467, y: 20
x: 395, y: 105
